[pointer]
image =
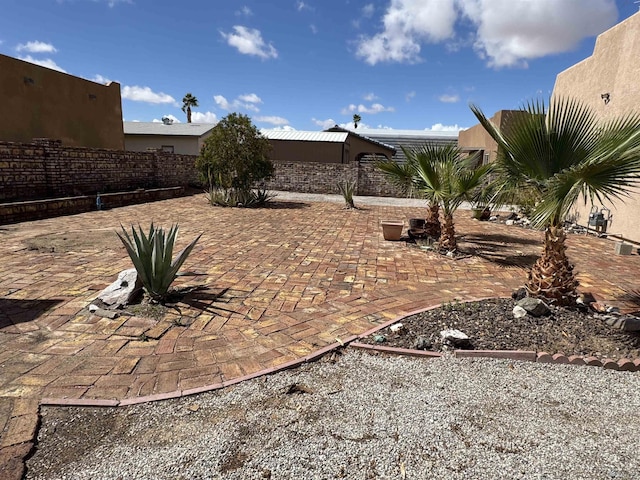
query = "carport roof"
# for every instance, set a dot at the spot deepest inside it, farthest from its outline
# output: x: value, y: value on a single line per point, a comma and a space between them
x: 312, y: 136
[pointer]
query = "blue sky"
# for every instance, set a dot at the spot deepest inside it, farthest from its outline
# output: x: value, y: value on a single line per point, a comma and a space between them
x: 310, y: 64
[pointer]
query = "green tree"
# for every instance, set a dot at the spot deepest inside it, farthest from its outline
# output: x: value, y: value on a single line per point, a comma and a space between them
x: 189, y: 101
x: 444, y: 177
x: 235, y: 156
x: 559, y: 155
x: 356, y: 120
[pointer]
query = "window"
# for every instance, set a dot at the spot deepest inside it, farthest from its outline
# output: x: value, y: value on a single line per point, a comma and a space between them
x: 167, y: 148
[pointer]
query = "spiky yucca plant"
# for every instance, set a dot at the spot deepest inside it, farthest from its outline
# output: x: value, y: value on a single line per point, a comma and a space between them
x: 347, y: 190
x: 152, y: 254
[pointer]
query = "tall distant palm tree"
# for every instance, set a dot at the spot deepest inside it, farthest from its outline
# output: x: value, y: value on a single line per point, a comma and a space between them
x: 189, y: 101
x: 561, y: 154
x: 441, y: 175
x: 356, y: 120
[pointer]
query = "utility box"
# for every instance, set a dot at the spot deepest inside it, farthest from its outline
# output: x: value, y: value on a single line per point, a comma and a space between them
x: 622, y: 248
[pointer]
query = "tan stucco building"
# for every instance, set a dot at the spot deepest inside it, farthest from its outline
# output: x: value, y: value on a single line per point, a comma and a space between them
x: 340, y: 146
x: 476, y: 139
x: 609, y: 82
x: 38, y: 102
x: 182, y: 138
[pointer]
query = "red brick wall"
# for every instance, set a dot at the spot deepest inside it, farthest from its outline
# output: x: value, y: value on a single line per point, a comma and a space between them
x: 46, y: 169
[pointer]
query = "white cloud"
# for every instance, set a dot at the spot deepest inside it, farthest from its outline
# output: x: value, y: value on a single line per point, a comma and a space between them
x: 248, y: 101
x: 244, y: 11
x: 300, y: 6
x: 447, y: 98
x: 370, y: 97
x: 438, y: 127
x: 100, y: 79
x: 43, y: 62
x: 324, y: 124
x: 542, y: 27
x: 36, y: 47
x: 410, y: 95
x: 208, y: 117
x: 250, y: 98
x: 408, y: 23
x: 145, y: 94
x: 173, y: 118
x: 249, y: 41
x: 313, y: 28
x: 368, y: 10
x: 272, y: 120
x: 371, y: 110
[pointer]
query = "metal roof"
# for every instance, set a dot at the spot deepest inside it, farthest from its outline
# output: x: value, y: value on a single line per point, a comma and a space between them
x: 393, y: 133
x: 405, y: 138
x: 159, y: 128
x: 305, y: 136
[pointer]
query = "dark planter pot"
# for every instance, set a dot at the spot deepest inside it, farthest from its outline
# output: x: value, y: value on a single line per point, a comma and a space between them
x: 417, y: 223
x: 482, y: 213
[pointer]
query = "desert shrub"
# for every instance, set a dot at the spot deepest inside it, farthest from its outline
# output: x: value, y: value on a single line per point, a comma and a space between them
x: 233, y: 159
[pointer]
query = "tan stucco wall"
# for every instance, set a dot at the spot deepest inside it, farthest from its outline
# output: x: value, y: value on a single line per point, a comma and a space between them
x: 181, y: 144
x: 38, y: 102
x: 614, y: 68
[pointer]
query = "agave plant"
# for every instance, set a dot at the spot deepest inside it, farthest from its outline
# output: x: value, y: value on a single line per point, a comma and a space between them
x: 152, y: 254
x: 347, y: 189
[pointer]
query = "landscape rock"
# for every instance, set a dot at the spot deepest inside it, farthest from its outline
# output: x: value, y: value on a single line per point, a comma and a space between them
x: 455, y: 338
x: 396, y: 327
x: 122, y: 291
x: 626, y: 323
x: 519, y: 312
x: 534, y: 306
x: 101, y: 312
x: 423, y: 343
x: 509, y: 222
x: 519, y: 294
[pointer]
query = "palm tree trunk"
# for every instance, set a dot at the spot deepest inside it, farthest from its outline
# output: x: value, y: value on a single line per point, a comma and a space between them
x: 188, y: 114
x: 551, y: 277
x: 448, y: 236
x: 432, y: 223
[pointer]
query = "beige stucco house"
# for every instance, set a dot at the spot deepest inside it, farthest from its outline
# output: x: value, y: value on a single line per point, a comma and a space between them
x: 38, y: 102
x: 181, y: 138
x: 476, y: 139
x: 341, y: 146
x: 609, y: 82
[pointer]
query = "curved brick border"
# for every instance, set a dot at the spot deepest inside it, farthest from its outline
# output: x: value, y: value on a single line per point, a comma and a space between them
x: 624, y: 364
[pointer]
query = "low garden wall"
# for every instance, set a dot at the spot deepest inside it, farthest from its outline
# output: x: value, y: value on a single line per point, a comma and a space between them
x: 45, y: 179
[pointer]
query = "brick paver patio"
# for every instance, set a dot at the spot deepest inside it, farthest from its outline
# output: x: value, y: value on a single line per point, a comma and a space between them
x: 273, y: 286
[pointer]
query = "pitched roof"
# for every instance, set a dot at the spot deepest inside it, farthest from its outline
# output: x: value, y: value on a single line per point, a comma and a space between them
x: 305, y: 136
x: 159, y: 128
x: 404, y: 138
x: 337, y: 134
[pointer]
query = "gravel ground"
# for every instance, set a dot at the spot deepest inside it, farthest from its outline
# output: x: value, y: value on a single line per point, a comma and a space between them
x: 362, y: 416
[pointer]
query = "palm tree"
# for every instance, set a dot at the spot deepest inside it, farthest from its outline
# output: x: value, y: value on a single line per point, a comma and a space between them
x: 448, y: 179
x: 441, y: 175
x: 562, y: 154
x: 189, y: 101
x: 356, y: 120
